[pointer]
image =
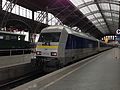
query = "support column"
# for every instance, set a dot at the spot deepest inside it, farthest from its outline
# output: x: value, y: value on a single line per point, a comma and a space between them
x: 33, y: 15
x: 32, y: 31
x: 46, y: 15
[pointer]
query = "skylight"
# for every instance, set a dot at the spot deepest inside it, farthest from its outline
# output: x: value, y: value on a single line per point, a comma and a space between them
x: 101, y: 17
x: 93, y: 7
x: 105, y: 6
x: 85, y: 10
x: 98, y: 15
x: 90, y: 17
x: 114, y: 7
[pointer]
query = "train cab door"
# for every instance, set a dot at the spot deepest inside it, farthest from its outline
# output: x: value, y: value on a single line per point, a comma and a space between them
x: 61, y: 49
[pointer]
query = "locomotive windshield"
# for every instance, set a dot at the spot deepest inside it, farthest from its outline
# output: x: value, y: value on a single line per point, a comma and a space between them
x: 49, y: 37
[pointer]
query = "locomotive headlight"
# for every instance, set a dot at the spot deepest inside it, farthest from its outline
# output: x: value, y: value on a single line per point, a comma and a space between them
x: 53, y: 53
x: 38, y: 52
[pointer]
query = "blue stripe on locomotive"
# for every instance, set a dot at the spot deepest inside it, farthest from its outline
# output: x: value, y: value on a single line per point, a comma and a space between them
x: 75, y: 42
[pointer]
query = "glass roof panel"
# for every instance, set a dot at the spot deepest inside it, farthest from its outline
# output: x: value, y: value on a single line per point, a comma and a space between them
x: 88, y: 0
x: 100, y: 28
x: 85, y: 10
x: 105, y: 30
x: 97, y: 25
x: 95, y: 21
x: 109, y: 19
x: 97, y: 15
x: 77, y: 2
x: 101, y: 20
x: 105, y: 6
x: 116, y: 15
x: 93, y: 7
x: 114, y: 7
x: 107, y: 14
x: 116, y: 20
x: 90, y: 17
x: 103, y: 24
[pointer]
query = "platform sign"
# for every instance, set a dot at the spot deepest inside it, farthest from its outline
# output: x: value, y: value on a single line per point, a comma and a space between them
x: 118, y: 32
x: 118, y: 35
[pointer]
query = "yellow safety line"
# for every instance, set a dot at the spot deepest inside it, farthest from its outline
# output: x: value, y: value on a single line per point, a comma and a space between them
x: 50, y: 47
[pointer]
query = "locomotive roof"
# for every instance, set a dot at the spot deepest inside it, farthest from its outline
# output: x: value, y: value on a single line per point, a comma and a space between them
x: 54, y: 27
x: 70, y: 31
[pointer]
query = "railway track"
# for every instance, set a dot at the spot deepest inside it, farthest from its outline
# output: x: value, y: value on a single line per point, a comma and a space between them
x: 21, y: 80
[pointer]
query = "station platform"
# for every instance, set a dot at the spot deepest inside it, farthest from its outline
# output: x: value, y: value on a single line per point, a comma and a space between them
x: 101, y: 72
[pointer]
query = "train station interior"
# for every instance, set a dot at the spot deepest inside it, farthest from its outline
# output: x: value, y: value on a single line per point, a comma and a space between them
x: 59, y: 45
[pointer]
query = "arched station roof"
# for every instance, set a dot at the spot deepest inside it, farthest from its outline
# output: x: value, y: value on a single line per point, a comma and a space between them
x: 104, y: 14
x: 97, y: 17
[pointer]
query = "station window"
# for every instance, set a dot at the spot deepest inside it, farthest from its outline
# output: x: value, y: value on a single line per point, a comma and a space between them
x: 18, y: 10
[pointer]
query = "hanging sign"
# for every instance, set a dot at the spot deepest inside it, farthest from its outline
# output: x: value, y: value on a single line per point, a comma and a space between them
x: 118, y: 31
x: 118, y: 35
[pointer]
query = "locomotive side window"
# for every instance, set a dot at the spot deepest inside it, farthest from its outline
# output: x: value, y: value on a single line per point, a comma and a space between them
x: 1, y: 37
x: 49, y: 37
x: 13, y: 37
x: 7, y: 37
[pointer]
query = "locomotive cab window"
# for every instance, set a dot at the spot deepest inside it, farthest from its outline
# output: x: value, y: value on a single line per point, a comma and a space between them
x: 49, y: 37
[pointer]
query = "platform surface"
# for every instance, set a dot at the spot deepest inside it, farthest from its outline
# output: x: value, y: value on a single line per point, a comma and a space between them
x: 102, y: 73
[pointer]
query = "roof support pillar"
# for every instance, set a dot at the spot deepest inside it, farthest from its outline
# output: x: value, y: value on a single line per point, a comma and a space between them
x: 102, y: 15
x: 31, y: 32
x: 33, y: 15
x: 46, y: 15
